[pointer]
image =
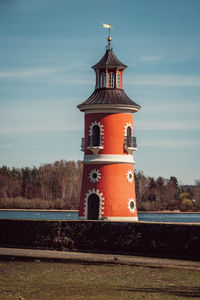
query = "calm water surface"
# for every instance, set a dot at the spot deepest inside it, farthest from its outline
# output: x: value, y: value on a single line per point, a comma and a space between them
x: 39, y: 215
x: 170, y: 217
x: 73, y: 215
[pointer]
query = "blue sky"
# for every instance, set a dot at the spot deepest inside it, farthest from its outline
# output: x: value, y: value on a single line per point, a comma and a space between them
x: 47, y: 49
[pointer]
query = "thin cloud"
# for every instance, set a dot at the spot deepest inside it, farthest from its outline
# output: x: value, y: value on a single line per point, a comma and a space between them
x: 163, y: 80
x: 155, y: 106
x: 170, y: 143
x: 6, y: 146
x: 67, y: 80
x: 41, y: 129
x: 151, y: 59
x: 28, y: 73
x: 166, y: 125
x: 63, y: 75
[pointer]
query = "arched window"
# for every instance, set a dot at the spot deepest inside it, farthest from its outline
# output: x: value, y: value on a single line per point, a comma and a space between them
x: 96, y: 135
x: 103, y: 80
x: 111, y: 79
x: 129, y: 136
x: 118, y: 80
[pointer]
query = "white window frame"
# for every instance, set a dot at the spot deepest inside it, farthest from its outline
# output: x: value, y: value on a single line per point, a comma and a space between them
x: 111, y: 80
x: 97, y: 74
x: 118, y: 79
x: 103, y: 80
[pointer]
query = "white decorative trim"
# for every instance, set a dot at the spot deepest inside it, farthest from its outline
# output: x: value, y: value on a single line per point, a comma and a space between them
x: 95, y: 123
x: 108, y: 159
x: 94, y: 178
x: 101, y: 202
x: 95, y: 149
x: 132, y: 205
x: 121, y: 219
x: 130, y: 150
x: 125, y: 129
x: 108, y: 107
x: 129, y: 176
x: 110, y: 111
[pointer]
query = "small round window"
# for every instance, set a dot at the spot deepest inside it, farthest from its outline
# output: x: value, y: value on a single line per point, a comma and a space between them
x: 129, y: 176
x: 94, y: 175
x: 131, y: 205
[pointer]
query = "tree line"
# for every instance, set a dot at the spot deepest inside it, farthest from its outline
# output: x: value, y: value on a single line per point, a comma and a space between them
x: 165, y: 194
x: 51, y: 186
x: 57, y: 186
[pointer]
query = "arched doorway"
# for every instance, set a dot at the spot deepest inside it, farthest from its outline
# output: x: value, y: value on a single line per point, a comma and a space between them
x: 93, y: 207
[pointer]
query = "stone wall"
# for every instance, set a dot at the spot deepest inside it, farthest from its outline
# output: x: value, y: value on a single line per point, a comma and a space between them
x: 146, y: 239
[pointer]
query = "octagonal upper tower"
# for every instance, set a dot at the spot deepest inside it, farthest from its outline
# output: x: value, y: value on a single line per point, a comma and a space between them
x: 109, y: 91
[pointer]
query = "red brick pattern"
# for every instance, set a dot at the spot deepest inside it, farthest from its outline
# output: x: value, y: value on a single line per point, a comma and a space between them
x: 113, y: 130
x: 114, y: 186
x: 116, y: 190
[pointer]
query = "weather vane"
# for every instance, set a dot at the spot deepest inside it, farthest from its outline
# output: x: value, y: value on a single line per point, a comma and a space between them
x: 109, y: 37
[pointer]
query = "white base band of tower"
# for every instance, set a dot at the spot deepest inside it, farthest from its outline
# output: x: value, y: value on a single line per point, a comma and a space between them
x: 115, y: 219
x: 108, y: 159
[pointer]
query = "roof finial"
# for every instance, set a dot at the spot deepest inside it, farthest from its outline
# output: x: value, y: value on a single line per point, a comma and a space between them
x: 108, y: 47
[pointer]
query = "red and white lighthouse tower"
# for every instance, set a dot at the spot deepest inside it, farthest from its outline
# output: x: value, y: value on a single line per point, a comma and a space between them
x: 108, y: 187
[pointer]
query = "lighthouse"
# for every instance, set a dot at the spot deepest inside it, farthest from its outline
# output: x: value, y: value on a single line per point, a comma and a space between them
x: 108, y: 185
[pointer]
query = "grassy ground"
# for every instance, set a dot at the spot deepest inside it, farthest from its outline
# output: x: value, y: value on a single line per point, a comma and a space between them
x: 66, y: 281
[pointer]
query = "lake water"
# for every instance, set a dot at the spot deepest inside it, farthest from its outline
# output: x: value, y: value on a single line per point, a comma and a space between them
x: 73, y: 215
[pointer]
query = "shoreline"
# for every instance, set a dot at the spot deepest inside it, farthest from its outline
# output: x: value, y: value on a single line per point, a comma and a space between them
x: 168, y: 212
x: 38, y: 209
x: 74, y: 210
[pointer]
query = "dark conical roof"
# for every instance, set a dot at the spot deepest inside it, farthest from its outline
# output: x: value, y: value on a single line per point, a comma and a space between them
x: 109, y: 60
x: 109, y: 96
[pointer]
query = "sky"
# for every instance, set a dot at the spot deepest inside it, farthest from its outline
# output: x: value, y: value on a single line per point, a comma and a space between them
x: 47, y: 49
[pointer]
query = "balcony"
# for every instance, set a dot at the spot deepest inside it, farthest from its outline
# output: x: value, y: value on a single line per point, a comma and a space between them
x: 130, y: 144
x: 82, y: 144
x: 95, y: 144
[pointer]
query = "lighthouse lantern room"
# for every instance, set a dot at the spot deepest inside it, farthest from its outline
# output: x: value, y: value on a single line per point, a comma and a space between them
x: 108, y: 186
